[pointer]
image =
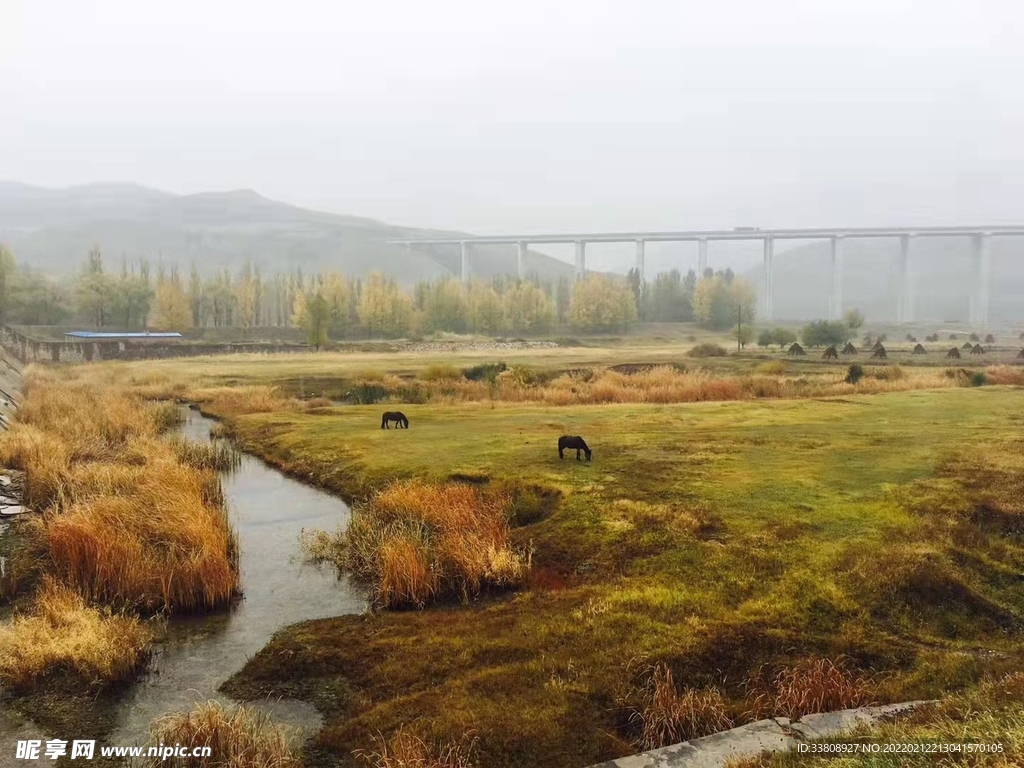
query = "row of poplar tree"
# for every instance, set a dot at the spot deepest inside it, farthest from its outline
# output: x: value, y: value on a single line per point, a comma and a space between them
x: 139, y: 295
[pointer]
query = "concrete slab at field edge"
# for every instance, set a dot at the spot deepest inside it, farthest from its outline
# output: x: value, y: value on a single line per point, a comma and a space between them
x: 773, y: 735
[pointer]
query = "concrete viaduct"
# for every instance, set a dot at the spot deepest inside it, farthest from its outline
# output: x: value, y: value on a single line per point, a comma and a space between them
x: 981, y: 238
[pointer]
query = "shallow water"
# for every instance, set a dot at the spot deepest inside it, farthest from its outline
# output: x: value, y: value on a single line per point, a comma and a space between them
x: 269, y: 512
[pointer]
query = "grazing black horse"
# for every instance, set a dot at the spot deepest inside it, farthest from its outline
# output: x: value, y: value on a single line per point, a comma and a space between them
x: 396, y: 416
x: 577, y: 442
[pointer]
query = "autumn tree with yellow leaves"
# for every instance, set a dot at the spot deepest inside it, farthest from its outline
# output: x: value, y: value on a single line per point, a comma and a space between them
x: 601, y: 303
x: 171, y: 310
x: 384, y: 310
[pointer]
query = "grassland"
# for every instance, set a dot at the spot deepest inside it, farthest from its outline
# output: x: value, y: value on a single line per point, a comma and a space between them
x: 726, y: 540
x: 718, y: 559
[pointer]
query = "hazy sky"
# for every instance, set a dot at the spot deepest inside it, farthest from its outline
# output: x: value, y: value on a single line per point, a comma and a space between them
x: 531, y: 116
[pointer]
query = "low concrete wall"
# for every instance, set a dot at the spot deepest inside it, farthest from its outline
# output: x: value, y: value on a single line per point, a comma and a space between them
x: 28, y: 350
x: 777, y: 734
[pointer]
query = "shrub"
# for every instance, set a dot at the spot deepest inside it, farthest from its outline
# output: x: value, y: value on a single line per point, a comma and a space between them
x: 890, y: 373
x: 63, y: 635
x: 707, y: 349
x: 367, y: 393
x: 484, y: 372
x: 667, y: 716
x: 979, y: 379
x: 523, y: 374
x: 440, y: 372
x: 773, y: 368
x: 854, y: 374
x: 242, y: 738
x: 826, y: 333
x: 974, y: 337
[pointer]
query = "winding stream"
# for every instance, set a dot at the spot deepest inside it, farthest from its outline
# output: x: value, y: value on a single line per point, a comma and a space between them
x: 269, y: 511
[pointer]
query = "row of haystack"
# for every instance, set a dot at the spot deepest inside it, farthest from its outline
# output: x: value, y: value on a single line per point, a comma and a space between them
x: 878, y: 352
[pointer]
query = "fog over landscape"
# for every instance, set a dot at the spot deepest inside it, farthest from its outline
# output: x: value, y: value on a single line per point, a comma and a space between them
x: 568, y: 117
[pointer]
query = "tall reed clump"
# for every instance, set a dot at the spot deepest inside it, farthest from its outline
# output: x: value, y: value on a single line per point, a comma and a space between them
x: 127, y: 522
x: 416, y: 543
x: 407, y: 750
x: 238, y: 738
x: 61, y: 634
x: 666, y: 715
x: 810, y: 686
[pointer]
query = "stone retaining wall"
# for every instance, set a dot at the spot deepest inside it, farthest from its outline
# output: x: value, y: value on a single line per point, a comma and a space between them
x: 778, y: 734
x: 10, y: 388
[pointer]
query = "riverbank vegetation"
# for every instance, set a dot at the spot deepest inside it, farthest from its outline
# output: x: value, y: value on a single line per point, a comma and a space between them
x: 128, y: 524
x: 415, y: 544
x: 62, y: 635
x: 239, y: 737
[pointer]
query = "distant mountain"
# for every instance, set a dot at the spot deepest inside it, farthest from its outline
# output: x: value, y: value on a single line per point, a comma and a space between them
x: 53, y: 229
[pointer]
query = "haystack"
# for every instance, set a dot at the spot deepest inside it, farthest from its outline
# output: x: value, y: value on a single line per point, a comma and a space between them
x: 1020, y: 355
x: 849, y: 349
x: 977, y: 349
x: 953, y: 353
x: 878, y: 345
x: 879, y: 353
x: 830, y: 354
x: 796, y: 349
x: 920, y: 350
x: 990, y: 339
x: 967, y: 345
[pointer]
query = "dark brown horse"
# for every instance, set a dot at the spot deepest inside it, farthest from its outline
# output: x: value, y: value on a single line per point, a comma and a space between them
x: 396, y: 416
x: 570, y: 442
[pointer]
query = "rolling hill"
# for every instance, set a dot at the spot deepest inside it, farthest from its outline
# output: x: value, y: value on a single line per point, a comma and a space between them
x: 53, y: 229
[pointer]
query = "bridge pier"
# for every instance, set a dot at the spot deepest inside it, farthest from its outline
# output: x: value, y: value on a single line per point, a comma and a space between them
x: 769, y: 264
x: 982, y: 265
x: 905, y: 299
x: 640, y: 261
x: 581, y: 259
x: 465, y: 261
x: 702, y: 256
x: 835, y: 306
x: 521, y: 259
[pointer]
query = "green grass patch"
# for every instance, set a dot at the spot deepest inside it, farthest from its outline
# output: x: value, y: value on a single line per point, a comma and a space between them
x: 718, y: 539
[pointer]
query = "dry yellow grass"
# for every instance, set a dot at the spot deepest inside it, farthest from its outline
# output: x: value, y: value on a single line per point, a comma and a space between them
x: 237, y: 738
x: 813, y: 685
x: 239, y: 400
x: 62, y: 634
x: 415, y: 543
x: 667, y: 715
x: 407, y: 750
x: 126, y: 522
